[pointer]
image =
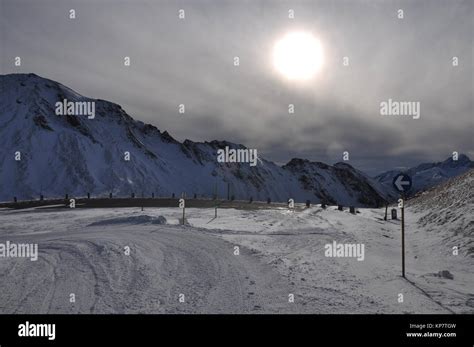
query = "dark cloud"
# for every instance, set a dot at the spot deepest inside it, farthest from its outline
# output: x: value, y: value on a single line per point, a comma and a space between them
x: 191, y: 62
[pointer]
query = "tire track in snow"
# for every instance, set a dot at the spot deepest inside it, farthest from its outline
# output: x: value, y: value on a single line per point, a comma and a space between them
x: 164, y: 262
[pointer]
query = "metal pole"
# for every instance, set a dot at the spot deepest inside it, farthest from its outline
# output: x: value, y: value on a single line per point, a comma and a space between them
x: 215, y: 200
x: 184, y: 207
x: 403, y: 237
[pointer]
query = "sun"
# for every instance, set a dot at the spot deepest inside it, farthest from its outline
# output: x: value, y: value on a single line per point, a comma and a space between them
x: 298, y: 56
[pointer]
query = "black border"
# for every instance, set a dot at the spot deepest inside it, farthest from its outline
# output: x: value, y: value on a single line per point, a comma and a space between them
x: 325, y: 330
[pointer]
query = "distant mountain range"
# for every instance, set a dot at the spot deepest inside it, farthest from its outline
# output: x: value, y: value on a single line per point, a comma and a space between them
x: 427, y: 175
x: 77, y: 154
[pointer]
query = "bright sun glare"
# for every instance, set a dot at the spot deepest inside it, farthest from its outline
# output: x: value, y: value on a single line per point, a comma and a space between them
x: 298, y: 56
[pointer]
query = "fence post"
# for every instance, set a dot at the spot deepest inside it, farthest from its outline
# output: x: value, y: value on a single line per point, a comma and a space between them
x: 352, y: 209
x: 394, y: 213
x: 340, y: 208
x: 184, y: 206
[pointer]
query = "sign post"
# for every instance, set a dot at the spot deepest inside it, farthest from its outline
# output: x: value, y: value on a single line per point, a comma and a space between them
x: 182, y: 205
x: 403, y: 237
x: 402, y: 183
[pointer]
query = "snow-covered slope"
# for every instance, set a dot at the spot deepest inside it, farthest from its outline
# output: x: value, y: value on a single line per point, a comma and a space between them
x: 447, y: 210
x: 428, y: 175
x: 76, y: 155
x: 338, y: 183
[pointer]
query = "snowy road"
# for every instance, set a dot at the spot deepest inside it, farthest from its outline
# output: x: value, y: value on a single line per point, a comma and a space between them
x: 83, y: 252
x: 164, y: 262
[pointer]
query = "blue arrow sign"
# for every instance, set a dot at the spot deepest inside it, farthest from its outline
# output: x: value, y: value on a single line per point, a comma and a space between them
x: 402, y: 182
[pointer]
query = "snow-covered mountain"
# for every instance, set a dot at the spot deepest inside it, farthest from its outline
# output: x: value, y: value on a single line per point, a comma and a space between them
x: 427, y: 175
x: 73, y: 154
x: 336, y: 183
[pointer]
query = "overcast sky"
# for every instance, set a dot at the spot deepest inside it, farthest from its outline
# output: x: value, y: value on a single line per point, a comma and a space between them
x: 190, y: 61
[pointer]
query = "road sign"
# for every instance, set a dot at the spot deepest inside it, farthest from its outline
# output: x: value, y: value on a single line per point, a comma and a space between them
x: 402, y: 182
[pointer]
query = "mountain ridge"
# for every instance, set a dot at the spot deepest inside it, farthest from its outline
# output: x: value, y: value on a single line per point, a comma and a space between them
x: 76, y: 155
x: 428, y: 175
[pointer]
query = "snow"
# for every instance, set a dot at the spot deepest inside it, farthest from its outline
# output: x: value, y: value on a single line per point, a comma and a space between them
x: 427, y: 175
x: 282, y: 253
x: 143, y: 219
x: 75, y: 155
